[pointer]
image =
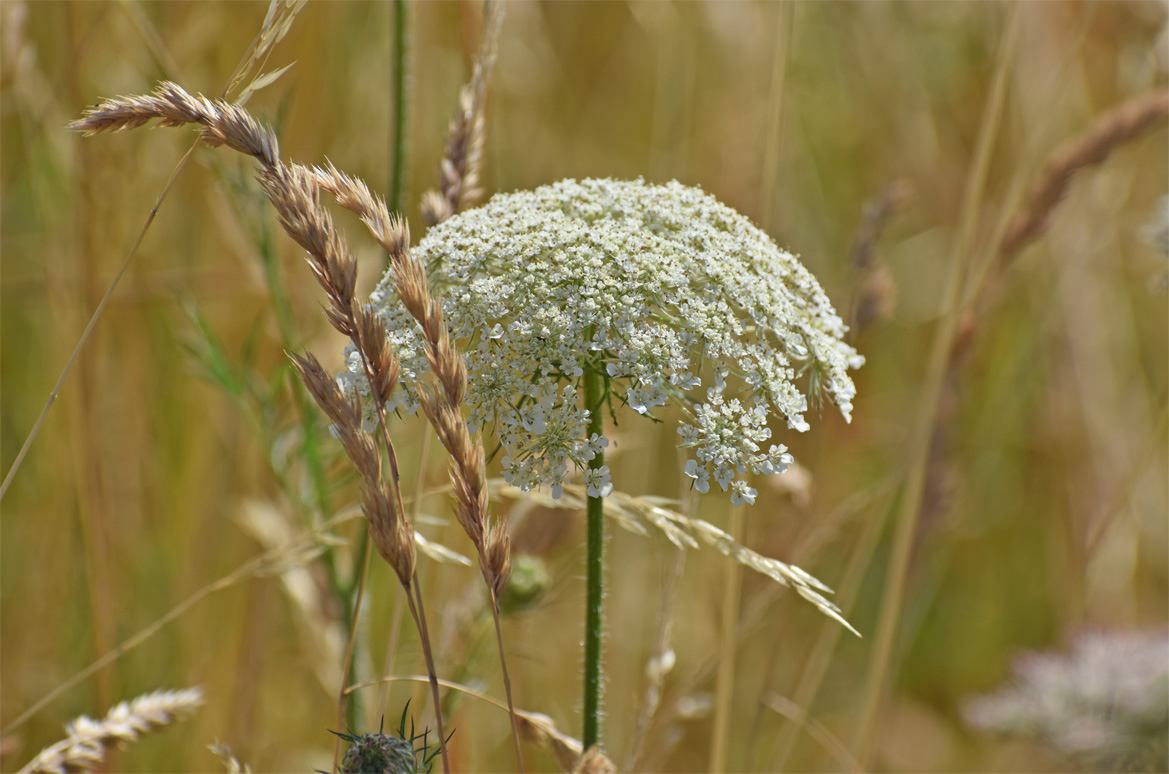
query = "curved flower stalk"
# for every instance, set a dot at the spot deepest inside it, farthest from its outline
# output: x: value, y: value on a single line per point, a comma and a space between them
x: 578, y: 295
x: 665, y: 293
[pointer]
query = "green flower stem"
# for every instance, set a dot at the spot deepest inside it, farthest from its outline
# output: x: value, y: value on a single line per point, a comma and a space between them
x: 400, y: 86
x: 594, y: 391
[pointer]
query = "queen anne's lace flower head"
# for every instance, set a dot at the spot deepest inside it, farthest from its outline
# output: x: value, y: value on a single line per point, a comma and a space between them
x: 668, y: 294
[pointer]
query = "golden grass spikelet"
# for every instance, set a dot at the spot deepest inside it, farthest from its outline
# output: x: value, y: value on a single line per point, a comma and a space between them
x: 594, y: 762
x: 230, y: 763
x: 392, y: 535
x: 376, y: 346
x: 294, y: 193
x: 435, y: 208
x: 630, y: 512
x: 495, y: 560
x: 277, y: 23
x: 85, y: 747
x: 362, y: 450
x: 323, y: 387
x: 541, y: 729
x: 459, y: 171
x: 224, y: 123
x: 390, y: 231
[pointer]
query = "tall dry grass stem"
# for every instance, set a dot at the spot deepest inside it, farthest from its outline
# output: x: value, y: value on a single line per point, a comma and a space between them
x: 272, y: 562
x: 922, y: 432
x: 281, y: 14
x: 728, y: 650
x: 662, y: 660
x: 396, y: 616
x: 815, y: 666
x: 817, y: 730
x: 350, y: 646
x: 784, y: 26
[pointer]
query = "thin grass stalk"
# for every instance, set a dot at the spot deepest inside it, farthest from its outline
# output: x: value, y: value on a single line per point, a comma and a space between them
x: 281, y: 13
x: 154, y: 41
x: 419, y: 614
x: 97, y: 313
x: 264, y: 564
x: 653, y: 691
x: 391, y: 652
x: 785, y: 14
x: 815, y: 667
x: 347, y: 669
x: 515, y: 729
x: 1155, y: 442
x: 919, y: 442
x: 595, y: 582
x: 728, y: 641
x: 396, y: 616
x: 94, y: 520
x: 992, y: 260
x: 817, y: 730
x: 756, y: 611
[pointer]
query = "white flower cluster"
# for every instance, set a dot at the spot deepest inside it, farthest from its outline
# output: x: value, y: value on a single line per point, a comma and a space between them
x: 654, y: 287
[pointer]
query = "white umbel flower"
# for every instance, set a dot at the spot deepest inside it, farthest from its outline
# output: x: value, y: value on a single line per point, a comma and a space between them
x: 672, y: 296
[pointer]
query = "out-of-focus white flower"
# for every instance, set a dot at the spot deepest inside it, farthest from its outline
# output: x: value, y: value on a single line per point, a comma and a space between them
x: 1105, y: 705
x: 669, y: 295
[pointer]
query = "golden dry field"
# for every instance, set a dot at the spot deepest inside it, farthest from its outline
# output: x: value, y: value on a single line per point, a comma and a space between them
x: 979, y: 188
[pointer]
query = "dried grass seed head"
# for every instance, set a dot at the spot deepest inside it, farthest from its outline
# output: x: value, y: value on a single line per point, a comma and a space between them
x: 646, y: 284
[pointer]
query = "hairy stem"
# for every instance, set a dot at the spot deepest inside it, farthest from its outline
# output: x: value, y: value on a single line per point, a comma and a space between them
x: 400, y: 86
x: 594, y: 394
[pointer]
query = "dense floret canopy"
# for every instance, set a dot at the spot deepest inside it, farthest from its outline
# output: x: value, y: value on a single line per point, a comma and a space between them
x: 672, y: 296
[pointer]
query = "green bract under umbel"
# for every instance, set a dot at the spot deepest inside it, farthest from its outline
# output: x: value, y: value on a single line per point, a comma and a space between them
x: 671, y: 295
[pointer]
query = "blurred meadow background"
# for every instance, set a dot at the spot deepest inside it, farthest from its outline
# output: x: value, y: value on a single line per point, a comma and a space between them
x: 888, y: 144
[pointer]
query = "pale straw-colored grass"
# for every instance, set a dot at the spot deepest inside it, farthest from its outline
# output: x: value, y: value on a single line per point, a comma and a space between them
x: 459, y: 170
x: 88, y: 740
